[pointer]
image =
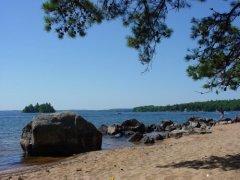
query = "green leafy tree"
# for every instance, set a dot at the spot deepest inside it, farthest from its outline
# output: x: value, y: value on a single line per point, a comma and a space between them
x: 46, y: 108
x: 218, y: 55
x: 29, y: 109
x: 217, y: 58
x: 42, y: 108
x: 220, y: 105
x: 36, y: 107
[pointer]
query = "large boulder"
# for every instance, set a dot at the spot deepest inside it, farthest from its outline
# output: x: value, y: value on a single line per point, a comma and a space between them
x: 133, y: 125
x: 59, y: 134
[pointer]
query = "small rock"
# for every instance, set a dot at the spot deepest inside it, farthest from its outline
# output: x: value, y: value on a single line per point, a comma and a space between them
x: 118, y: 135
x: 165, y: 123
x: 236, y: 119
x: 136, y: 137
x: 177, y: 133
x: 128, y: 133
x: 170, y: 127
x: 194, y: 124
x: 148, y: 140
x: 114, y: 129
x: 103, y: 129
x: 151, y: 128
x: 159, y: 137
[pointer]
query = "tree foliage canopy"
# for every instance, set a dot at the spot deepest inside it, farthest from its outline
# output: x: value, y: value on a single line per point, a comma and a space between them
x: 42, y: 108
x: 225, y: 105
x: 217, y: 57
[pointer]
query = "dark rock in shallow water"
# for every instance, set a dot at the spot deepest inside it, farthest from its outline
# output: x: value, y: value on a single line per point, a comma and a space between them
x: 103, y: 129
x: 150, y: 128
x: 114, y: 129
x: 128, y: 133
x: 136, y: 137
x: 59, y: 134
x: 118, y: 135
x: 133, y: 125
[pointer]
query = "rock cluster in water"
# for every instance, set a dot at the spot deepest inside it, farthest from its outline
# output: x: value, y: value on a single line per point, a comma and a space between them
x: 148, y: 134
x: 59, y: 134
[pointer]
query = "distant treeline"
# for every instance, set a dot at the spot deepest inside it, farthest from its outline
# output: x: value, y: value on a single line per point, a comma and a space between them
x: 42, y: 108
x: 225, y: 105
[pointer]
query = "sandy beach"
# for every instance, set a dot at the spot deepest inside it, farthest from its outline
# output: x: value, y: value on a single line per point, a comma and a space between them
x: 208, y: 156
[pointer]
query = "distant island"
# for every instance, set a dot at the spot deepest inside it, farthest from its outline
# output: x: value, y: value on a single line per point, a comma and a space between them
x: 42, y: 108
x: 209, y: 106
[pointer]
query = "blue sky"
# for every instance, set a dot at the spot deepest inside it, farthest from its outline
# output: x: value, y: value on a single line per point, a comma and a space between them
x: 95, y: 72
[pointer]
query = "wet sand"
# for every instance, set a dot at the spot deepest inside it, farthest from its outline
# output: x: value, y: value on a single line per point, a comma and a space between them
x: 208, y: 156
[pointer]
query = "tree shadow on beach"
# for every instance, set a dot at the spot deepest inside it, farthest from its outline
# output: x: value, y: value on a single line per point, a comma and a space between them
x: 226, y: 163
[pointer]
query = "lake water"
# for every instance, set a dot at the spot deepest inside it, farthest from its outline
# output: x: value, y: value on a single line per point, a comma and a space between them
x: 12, y: 123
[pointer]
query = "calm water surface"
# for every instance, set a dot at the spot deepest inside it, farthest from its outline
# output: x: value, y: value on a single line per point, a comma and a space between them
x: 12, y: 123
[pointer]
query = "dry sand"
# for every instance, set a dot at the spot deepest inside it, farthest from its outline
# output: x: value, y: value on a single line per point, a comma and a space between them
x: 209, y: 156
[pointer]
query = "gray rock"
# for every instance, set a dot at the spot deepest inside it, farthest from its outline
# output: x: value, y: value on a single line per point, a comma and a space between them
x: 128, y: 133
x: 170, y: 127
x: 178, y: 126
x: 118, y: 135
x: 203, y: 127
x: 159, y: 137
x: 236, y: 119
x: 222, y: 122
x: 59, y: 134
x: 133, y: 125
x: 136, y: 137
x: 151, y: 128
x: 114, y: 129
x: 201, y: 131
x: 148, y: 140
x: 103, y: 129
x: 210, y: 122
x: 194, y: 124
x: 178, y: 133
x: 165, y: 123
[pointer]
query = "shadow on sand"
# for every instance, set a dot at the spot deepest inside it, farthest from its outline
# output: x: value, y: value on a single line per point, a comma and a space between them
x: 228, y: 162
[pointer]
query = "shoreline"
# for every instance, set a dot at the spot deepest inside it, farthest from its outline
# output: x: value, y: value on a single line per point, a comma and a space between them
x: 214, y: 156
